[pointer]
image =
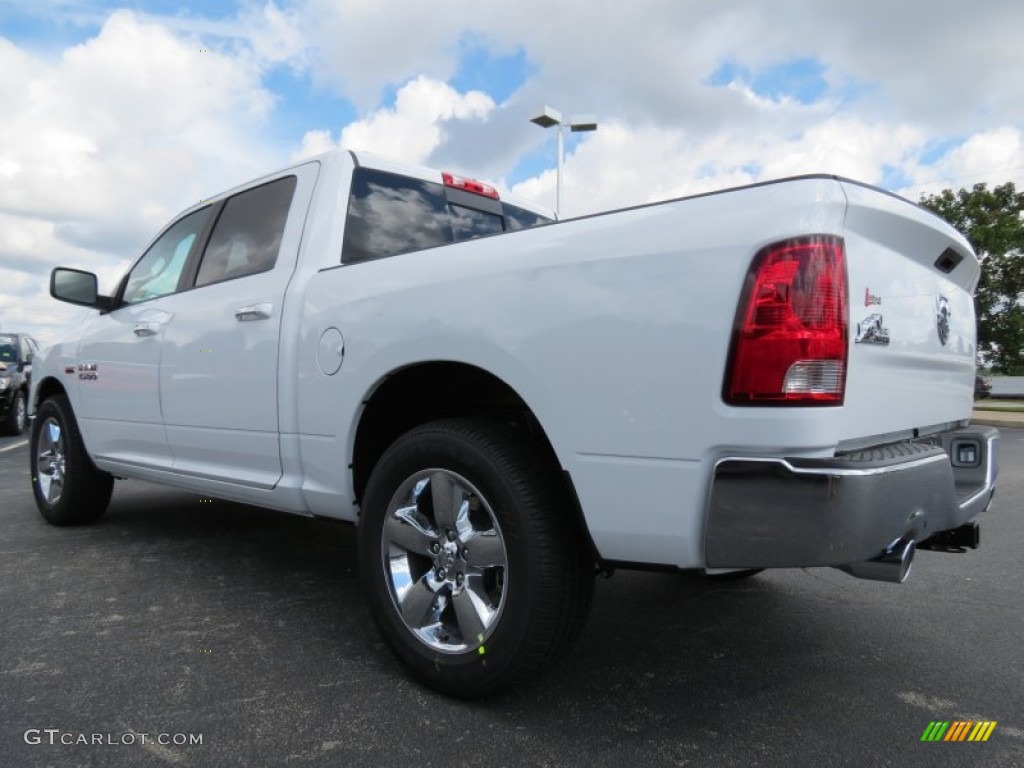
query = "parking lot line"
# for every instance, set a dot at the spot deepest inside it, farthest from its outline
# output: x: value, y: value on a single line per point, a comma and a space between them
x: 12, y: 447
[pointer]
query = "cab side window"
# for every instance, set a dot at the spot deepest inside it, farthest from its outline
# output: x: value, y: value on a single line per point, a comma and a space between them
x: 158, y: 271
x: 247, y: 236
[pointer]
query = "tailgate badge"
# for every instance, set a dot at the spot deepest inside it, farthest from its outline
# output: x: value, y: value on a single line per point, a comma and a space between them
x: 871, y: 331
x: 870, y: 300
x: 942, y: 313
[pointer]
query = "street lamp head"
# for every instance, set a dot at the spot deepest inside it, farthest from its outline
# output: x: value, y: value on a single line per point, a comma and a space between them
x: 583, y: 123
x: 548, y: 118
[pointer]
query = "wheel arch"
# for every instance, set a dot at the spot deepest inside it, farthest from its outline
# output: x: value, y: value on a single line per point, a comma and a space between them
x: 428, y: 391
x: 48, y: 387
x: 422, y: 392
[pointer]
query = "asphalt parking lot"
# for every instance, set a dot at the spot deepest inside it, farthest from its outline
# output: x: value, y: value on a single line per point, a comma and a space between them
x: 179, y: 618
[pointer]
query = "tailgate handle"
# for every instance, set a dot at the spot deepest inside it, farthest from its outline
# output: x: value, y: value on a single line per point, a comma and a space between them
x: 948, y: 261
x: 254, y: 312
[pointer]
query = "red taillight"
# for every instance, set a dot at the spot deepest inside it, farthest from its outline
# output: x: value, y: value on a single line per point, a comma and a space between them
x: 789, y: 341
x: 470, y: 185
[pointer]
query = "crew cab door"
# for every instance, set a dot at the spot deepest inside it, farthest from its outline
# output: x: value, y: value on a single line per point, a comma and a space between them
x: 117, y: 372
x: 220, y: 365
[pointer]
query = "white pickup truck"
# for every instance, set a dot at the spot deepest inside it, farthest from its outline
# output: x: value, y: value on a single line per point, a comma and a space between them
x: 776, y: 376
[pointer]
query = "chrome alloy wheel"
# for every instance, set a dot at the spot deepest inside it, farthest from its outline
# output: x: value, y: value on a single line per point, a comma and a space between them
x: 445, y: 561
x: 51, y: 462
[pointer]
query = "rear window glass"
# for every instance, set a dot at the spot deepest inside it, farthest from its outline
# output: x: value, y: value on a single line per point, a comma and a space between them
x: 468, y: 223
x: 520, y: 218
x: 389, y: 214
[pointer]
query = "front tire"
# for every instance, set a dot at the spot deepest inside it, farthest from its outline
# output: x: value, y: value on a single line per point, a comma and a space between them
x: 470, y: 558
x: 68, y: 488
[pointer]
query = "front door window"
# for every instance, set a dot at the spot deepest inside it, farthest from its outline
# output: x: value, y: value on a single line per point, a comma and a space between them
x: 158, y: 271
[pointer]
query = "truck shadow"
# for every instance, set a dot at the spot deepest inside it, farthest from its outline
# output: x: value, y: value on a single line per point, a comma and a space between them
x: 249, y: 625
x: 673, y: 627
x: 660, y: 650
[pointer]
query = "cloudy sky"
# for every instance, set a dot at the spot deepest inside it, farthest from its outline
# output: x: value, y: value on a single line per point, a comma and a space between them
x: 115, y: 115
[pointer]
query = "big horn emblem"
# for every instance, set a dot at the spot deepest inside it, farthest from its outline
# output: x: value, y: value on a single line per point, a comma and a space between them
x: 942, y: 313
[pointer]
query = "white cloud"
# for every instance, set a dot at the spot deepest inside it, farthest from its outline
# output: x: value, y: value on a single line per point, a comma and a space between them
x: 956, y: 63
x: 275, y: 35
x: 362, y: 46
x: 28, y: 248
x: 846, y: 146
x: 621, y: 165
x: 102, y: 145
x: 899, y: 81
x: 132, y: 115
x: 412, y: 129
x: 314, y: 143
x: 991, y: 157
x: 618, y: 166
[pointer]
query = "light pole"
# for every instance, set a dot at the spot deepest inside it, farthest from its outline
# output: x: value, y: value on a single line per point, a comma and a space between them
x: 553, y: 118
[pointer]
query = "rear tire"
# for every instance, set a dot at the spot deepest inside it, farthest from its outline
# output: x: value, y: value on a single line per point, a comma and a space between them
x: 491, y: 587
x: 14, y: 424
x: 68, y: 488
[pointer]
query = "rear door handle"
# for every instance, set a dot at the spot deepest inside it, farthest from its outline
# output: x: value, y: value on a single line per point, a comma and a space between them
x: 254, y: 312
x: 146, y: 329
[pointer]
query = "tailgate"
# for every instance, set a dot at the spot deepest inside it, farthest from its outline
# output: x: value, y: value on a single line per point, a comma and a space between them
x: 912, y: 324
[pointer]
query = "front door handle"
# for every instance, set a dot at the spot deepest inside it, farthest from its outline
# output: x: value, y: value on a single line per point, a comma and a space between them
x: 146, y: 329
x: 254, y: 312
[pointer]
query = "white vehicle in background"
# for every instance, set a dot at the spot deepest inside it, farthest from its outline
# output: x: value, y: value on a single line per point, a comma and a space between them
x: 505, y: 404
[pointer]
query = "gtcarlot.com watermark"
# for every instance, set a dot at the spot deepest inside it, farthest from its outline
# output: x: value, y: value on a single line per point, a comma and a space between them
x: 55, y: 736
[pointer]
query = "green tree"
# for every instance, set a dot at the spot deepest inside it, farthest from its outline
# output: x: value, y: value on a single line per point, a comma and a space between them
x: 991, y: 220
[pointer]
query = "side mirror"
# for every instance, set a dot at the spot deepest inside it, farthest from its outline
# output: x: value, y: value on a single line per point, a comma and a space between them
x: 74, y: 286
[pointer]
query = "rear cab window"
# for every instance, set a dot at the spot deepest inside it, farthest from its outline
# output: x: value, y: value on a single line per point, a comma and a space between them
x: 390, y: 214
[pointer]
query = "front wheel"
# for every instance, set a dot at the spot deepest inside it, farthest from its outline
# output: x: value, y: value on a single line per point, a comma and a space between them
x: 68, y: 488
x: 470, y: 558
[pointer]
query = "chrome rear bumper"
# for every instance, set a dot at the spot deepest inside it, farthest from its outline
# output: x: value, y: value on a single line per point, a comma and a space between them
x: 794, y: 513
